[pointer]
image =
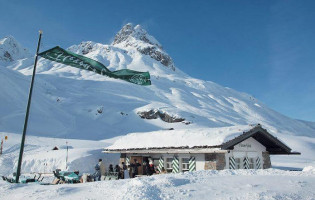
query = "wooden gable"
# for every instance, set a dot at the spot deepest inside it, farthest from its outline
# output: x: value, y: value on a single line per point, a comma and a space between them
x: 273, y: 145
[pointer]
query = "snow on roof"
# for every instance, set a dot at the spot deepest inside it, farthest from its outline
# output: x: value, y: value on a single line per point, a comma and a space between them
x: 180, y: 137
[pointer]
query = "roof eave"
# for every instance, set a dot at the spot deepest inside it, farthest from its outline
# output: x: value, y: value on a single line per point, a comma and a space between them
x: 195, y: 149
x: 285, y: 153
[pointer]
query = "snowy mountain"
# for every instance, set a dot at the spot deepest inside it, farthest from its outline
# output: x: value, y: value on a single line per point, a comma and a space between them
x: 11, y: 50
x: 138, y: 38
x: 73, y: 103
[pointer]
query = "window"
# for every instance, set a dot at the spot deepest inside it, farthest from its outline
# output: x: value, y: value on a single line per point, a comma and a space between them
x: 156, y: 161
x: 185, y: 164
x: 251, y: 163
x: 169, y: 164
x: 237, y: 163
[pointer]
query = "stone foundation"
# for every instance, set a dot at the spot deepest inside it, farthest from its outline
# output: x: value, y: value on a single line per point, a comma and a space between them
x: 266, y: 160
x: 221, y: 161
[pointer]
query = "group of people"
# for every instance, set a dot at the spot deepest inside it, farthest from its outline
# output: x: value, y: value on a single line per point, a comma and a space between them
x: 124, y: 171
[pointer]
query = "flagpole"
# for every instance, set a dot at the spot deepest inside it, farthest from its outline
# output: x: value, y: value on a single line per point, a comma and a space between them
x: 67, y: 156
x: 1, y: 147
x: 18, y: 172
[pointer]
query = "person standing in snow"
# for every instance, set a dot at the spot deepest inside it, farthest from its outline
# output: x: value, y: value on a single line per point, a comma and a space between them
x: 97, y: 174
x: 147, y: 170
x: 102, y: 167
x: 118, y: 171
x: 99, y: 170
x: 125, y: 169
x: 111, y: 169
x: 134, y: 168
x: 151, y: 166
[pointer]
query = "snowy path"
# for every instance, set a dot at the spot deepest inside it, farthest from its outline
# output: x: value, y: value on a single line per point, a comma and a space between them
x: 226, y: 184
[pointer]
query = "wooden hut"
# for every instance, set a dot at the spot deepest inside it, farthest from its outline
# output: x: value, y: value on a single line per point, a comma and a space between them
x: 238, y: 147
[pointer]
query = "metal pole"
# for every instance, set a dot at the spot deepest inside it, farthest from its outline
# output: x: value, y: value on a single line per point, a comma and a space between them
x: 1, y: 147
x: 67, y: 156
x: 18, y: 172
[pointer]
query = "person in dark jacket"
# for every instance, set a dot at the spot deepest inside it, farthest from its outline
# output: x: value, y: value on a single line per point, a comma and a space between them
x: 117, y: 168
x: 118, y: 171
x: 97, y: 174
x: 110, y: 169
x: 147, y: 169
x: 134, y: 168
x: 151, y: 166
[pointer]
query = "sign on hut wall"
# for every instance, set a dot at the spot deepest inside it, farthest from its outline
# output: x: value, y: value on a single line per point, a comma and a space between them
x: 249, y: 144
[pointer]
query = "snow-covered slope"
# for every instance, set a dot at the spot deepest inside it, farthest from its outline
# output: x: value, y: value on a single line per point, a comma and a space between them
x: 73, y: 103
x: 39, y: 155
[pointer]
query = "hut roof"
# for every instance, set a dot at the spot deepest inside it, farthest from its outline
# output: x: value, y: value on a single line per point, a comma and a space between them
x: 179, y: 138
x: 224, y: 138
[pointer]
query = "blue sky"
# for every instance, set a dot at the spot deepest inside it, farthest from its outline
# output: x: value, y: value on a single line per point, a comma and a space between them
x: 264, y: 48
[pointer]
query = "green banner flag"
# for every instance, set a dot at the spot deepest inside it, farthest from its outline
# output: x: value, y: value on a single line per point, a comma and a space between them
x: 60, y: 55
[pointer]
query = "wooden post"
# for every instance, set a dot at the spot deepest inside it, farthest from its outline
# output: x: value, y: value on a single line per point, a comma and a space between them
x: 18, y: 172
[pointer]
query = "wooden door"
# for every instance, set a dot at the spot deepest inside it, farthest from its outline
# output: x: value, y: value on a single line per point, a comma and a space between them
x: 139, y: 159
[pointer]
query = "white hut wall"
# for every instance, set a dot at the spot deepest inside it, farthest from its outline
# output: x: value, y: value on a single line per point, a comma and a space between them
x: 249, y: 148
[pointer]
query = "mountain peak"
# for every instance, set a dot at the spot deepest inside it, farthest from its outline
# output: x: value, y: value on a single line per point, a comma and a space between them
x: 136, y: 37
x: 11, y: 50
x: 130, y: 32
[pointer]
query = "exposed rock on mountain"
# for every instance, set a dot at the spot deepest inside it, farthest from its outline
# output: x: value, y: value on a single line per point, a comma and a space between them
x: 146, y: 44
x: 154, y: 114
x: 11, y: 50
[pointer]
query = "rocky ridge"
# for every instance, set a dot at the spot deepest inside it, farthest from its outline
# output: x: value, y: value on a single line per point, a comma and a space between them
x: 136, y: 36
x: 11, y: 50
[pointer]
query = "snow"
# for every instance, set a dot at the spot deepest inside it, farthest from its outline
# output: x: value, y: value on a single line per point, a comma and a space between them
x: 93, y: 112
x: 226, y: 184
x: 309, y: 169
x: 11, y: 50
x: 39, y: 157
x: 83, y: 154
x: 180, y: 138
x: 66, y: 102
